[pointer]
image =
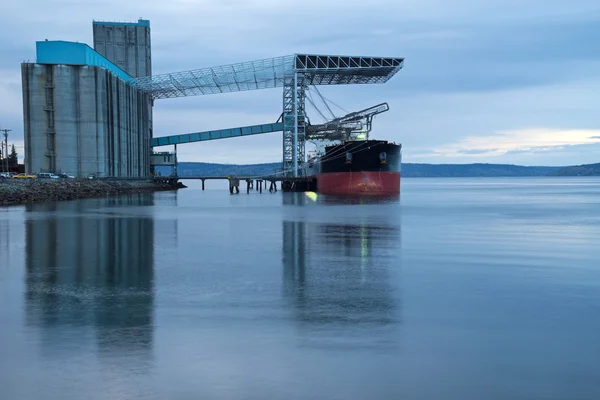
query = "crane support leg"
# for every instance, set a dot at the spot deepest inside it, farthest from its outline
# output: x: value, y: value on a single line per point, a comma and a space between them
x: 294, y: 125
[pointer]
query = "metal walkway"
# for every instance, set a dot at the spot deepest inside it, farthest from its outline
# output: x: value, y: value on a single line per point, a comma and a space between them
x: 217, y: 134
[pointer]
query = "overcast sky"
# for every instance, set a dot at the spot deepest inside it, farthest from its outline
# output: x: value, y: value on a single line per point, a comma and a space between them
x: 500, y: 81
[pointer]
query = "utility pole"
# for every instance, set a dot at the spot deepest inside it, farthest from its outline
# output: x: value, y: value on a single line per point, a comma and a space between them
x: 6, y: 145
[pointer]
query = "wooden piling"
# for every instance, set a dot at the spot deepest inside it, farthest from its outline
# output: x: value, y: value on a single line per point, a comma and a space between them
x: 234, y: 185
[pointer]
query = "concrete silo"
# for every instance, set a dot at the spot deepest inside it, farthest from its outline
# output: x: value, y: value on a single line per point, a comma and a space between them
x: 81, y: 115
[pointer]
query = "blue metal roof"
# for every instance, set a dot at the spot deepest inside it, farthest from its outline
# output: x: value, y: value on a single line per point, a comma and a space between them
x: 141, y: 22
x: 73, y: 53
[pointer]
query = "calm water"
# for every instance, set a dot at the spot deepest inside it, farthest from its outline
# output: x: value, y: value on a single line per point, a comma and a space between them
x: 463, y: 289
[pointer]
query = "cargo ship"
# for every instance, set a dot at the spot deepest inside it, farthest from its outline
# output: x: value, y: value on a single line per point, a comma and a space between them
x: 357, y: 167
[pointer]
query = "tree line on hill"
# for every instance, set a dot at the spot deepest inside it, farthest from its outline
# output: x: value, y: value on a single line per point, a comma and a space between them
x: 578, y: 170
x: 409, y: 170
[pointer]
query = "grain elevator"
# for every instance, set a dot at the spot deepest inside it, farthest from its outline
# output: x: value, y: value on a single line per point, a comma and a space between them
x: 81, y: 115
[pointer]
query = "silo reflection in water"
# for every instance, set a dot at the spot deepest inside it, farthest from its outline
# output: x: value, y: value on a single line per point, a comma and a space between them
x: 90, y: 276
x: 4, y: 239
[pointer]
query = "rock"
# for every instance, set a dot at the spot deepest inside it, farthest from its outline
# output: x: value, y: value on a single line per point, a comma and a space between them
x: 16, y: 191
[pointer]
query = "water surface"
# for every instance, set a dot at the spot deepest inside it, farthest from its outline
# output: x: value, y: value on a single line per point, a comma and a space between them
x: 461, y: 289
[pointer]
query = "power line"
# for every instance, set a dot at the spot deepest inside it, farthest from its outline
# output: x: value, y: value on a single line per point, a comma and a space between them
x: 6, y: 145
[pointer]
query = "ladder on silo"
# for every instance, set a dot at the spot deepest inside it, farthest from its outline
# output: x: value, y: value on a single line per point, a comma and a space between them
x: 50, y: 131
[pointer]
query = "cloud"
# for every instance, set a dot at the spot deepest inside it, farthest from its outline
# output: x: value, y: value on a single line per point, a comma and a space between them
x: 533, y: 141
x: 477, y: 151
x: 594, y: 137
x: 536, y: 149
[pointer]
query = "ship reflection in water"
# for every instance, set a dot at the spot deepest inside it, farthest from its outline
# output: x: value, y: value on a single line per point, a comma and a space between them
x: 90, y: 277
x: 342, y: 275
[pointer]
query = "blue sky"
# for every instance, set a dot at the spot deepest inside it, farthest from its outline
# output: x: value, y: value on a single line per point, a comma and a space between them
x: 484, y: 81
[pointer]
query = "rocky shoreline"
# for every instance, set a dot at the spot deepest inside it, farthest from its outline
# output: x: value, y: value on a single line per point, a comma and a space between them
x: 26, y: 191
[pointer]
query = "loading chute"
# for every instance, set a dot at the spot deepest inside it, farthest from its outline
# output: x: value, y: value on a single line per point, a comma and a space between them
x: 354, y: 125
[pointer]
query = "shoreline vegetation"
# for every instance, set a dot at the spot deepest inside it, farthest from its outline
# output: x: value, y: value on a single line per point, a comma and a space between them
x: 409, y: 170
x: 578, y: 170
x: 27, y: 191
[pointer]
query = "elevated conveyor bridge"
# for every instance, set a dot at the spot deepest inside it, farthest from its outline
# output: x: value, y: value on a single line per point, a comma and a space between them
x: 216, y: 134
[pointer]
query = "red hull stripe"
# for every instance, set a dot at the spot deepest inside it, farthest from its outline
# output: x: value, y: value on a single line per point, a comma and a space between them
x: 359, y: 183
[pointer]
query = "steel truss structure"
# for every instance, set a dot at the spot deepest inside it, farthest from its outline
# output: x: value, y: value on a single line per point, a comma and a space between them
x: 294, y: 73
x: 294, y: 124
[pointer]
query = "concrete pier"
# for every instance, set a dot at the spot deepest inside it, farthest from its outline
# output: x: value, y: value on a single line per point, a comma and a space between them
x: 300, y: 184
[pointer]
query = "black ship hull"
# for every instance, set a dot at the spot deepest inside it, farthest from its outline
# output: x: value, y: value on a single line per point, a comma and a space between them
x: 362, y: 167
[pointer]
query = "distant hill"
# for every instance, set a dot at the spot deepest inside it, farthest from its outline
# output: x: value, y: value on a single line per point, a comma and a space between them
x: 408, y: 170
x: 578, y: 170
x: 472, y: 170
x: 210, y: 169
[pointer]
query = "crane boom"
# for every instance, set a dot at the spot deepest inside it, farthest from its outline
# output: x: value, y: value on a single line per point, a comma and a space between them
x: 345, y: 125
x: 362, y: 114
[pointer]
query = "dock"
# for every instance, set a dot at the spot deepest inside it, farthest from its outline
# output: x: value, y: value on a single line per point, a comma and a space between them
x: 287, y: 184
